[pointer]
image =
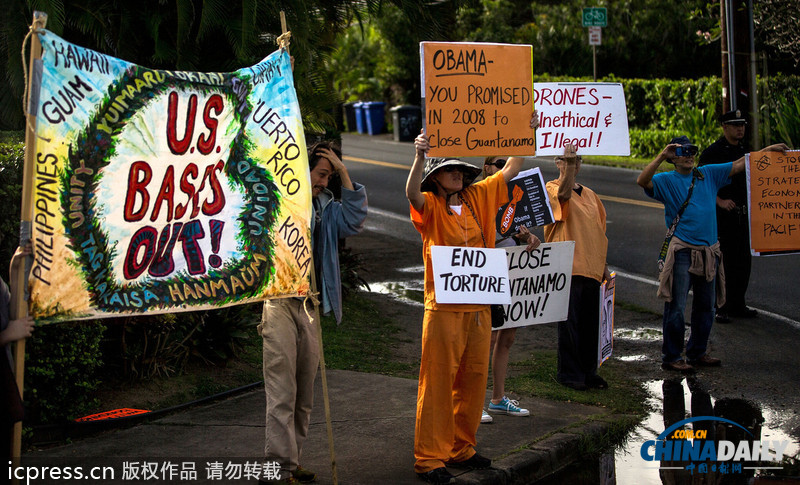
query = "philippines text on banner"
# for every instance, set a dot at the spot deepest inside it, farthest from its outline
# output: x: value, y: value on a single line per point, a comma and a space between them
x: 477, y: 98
x: 161, y: 191
x: 774, y: 201
x: 591, y: 116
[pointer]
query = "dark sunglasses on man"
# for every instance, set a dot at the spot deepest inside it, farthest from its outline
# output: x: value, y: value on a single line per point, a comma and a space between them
x: 499, y: 163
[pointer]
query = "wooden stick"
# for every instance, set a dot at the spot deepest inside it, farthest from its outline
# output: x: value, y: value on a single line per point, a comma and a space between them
x: 325, y: 400
x: 19, y: 307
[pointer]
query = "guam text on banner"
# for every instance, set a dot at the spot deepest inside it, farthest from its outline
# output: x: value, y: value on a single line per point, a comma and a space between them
x: 773, y: 186
x: 477, y: 98
x: 592, y: 116
x: 162, y: 191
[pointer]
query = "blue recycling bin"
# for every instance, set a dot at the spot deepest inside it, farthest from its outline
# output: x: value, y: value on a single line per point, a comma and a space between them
x: 374, y: 116
x: 361, y: 125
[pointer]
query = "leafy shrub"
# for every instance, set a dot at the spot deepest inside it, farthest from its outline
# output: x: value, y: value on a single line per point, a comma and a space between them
x: 12, y: 153
x: 62, y: 366
x: 648, y: 143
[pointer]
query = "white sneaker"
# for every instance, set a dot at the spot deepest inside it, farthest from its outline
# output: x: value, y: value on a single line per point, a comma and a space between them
x: 486, y: 418
x: 509, y: 407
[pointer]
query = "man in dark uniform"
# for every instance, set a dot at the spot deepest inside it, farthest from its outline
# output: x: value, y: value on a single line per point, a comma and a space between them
x: 732, y: 222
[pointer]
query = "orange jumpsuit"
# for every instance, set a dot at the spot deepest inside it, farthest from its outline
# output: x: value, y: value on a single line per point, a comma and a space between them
x: 455, y: 337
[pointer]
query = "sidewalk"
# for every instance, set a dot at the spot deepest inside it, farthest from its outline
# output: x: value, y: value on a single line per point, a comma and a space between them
x: 373, y: 429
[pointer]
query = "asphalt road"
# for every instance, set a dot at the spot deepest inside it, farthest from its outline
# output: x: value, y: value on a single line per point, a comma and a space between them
x: 635, y: 223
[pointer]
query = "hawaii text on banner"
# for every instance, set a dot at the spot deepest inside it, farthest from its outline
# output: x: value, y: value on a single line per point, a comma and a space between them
x: 591, y: 116
x: 773, y: 186
x: 477, y: 98
x: 162, y: 191
x: 539, y: 281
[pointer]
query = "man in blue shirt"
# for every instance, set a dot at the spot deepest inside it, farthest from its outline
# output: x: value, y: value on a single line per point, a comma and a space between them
x: 693, y: 256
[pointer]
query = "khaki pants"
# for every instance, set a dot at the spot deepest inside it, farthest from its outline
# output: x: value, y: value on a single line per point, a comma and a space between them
x: 291, y: 359
x: 452, y: 386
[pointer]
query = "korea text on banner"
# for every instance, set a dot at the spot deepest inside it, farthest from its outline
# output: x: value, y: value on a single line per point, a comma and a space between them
x: 773, y: 179
x: 591, y: 116
x: 162, y: 191
x: 477, y: 98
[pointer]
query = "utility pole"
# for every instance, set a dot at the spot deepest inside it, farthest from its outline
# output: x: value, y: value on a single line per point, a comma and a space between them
x: 739, y: 90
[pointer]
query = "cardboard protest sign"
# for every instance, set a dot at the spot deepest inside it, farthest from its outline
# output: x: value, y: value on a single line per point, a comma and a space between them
x: 591, y: 116
x: 528, y: 204
x: 469, y: 275
x: 162, y: 191
x: 477, y: 98
x: 773, y: 181
x: 605, y: 340
x: 539, y: 281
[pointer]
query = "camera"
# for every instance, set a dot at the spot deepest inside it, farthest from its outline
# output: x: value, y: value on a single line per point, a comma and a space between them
x: 686, y: 151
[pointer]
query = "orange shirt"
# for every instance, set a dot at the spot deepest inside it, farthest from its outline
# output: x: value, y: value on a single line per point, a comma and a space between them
x: 582, y: 219
x: 440, y: 228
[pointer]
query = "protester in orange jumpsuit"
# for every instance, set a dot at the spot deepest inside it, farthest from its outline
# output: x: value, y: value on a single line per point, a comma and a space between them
x: 448, y: 210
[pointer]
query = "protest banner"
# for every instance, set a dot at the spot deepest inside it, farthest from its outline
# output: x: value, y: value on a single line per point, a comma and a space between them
x: 470, y: 275
x: 773, y: 181
x: 159, y: 191
x: 591, y: 116
x: 539, y: 281
x: 477, y: 98
x: 528, y: 204
x: 605, y: 340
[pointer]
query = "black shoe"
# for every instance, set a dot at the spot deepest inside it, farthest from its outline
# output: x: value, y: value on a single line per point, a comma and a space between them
x: 438, y: 476
x: 745, y: 312
x: 596, y: 382
x: 578, y: 386
x: 723, y: 318
x: 476, y: 462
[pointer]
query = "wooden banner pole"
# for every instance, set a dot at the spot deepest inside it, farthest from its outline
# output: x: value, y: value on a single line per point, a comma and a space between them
x: 325, y: 400
x: 19, y: 307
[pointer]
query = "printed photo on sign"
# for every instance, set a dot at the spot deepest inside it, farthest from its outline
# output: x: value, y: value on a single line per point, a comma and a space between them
x: 470, y: 275
x: 539, y: 281
x: 477, y: 98
x: 528, y: 204
x: 591, y: 116
x: 605, y: 342
x: 160, y: 191
x: 774, y: 210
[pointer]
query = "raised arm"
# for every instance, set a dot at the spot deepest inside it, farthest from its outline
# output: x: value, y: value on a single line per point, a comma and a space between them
x: 645, y: 179
x: 413, y: 189
x: 566, y: 172
x: 514, y: 164
x: 738, y: 165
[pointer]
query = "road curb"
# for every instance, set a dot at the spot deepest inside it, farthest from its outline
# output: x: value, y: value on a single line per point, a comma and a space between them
x: 547, y: 456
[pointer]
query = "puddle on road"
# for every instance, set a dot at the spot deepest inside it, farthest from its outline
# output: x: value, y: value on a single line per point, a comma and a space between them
x: 675, y: 400
x: 644, y: 334
x: 411, y: 292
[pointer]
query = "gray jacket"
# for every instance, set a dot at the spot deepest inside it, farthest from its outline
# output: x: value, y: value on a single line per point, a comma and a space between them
x: 338, y: 220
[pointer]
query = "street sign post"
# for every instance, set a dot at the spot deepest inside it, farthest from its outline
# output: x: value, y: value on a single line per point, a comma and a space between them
x: 595, y: 35
x: 595, y: 17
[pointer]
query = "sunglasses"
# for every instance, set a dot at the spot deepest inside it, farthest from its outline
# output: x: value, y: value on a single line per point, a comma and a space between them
x: 499, y: 163
x: 450, y: 168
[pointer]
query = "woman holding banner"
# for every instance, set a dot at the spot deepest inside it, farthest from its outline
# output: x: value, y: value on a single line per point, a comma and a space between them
x: 579, y: 216
x: 449, y: 210
x: 502, y: 339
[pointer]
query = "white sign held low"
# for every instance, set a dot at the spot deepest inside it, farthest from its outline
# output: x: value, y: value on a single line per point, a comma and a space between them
x: 539, y: 281
x: 470, y: 275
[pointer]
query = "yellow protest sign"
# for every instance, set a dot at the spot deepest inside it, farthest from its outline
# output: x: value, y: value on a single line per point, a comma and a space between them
x: 772, y: 185
x: 478, y: 98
